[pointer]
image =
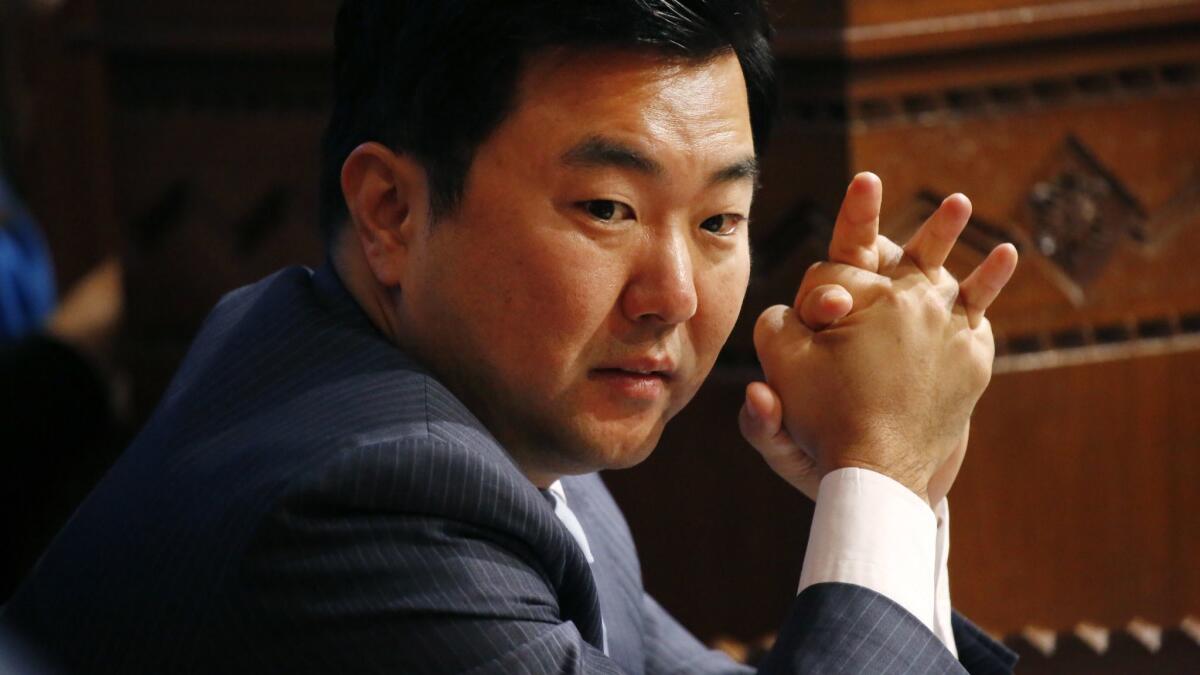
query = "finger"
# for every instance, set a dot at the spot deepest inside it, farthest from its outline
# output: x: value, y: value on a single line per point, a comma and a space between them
x: 857, y: 224
x: 933, y: 242
x: 982, y: 286
x: 761, y: 424
x: 761, y: 418
x: 890, y: 254
x: 862, y: 286
x: 825, y: 305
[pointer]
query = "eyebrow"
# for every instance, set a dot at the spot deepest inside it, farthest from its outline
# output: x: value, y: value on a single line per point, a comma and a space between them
x: 601, y: 152
x: 745, y: 169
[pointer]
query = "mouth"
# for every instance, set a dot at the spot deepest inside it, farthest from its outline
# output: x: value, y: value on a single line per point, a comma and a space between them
x: 642, y: 380
x: 622, y: 372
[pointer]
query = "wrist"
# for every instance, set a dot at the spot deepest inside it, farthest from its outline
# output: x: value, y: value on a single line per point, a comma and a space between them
x: 916, y: 482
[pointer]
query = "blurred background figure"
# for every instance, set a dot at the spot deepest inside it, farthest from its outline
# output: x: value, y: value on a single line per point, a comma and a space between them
x: 26, y: 274
x: 180, y: 140
x: 60, y: 417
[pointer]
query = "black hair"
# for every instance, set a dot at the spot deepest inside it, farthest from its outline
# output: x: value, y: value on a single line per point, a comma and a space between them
x: 434, y: 78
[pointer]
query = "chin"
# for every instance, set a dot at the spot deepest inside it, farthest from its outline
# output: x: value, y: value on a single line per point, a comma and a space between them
x: 626, y: 452
x: 592, y: 444
x: 628, y: 460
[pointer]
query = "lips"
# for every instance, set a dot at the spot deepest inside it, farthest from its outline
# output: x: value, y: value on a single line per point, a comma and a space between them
x: 641, y: 378
x: 658, y: 367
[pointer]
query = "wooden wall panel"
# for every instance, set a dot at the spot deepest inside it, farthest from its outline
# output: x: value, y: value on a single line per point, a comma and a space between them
x: 1079, y: 498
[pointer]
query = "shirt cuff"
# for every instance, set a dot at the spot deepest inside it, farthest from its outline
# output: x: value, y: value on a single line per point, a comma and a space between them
x: 871, y: 531
x: 942, y: 610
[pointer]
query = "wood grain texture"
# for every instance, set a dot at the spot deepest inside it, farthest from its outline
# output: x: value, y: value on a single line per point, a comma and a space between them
x: 876, y: 29
x: 1078, y: 500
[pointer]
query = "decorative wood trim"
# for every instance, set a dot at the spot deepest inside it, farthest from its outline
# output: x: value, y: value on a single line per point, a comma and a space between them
x: 1078, y: 213
x: 985, y: 29
x: 1138, y: 639
x: 940, y: 106
x: 1087, y: 344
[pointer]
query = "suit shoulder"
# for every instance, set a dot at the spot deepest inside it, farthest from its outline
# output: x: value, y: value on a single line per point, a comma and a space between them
x: 426, y: 472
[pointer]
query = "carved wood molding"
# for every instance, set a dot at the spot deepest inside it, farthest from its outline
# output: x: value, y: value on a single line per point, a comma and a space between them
x: 1141, y: 640
x: 1078, y: 215
x: 982, y: 29
x: 994, y: 99
x: 1154, y: 336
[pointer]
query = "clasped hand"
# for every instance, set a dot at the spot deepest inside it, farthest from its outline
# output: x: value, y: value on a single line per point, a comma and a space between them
x: 880, y: 360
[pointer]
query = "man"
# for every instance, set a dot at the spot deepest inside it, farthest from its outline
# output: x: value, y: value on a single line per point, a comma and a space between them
x: 537, y: 216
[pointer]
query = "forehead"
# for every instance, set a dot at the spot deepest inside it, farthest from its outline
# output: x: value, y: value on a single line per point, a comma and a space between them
x: 661, y: 104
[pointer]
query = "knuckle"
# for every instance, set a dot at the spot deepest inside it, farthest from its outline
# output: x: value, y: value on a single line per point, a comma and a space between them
x: 932, y: 303
x: 906, y: 301
x: 983, y: 374
x: 816, y: 272
x: 984, y: 329
x: 857, y: 256
x: 767, y: 326
x: 981, y: 358
x: 890, y: 253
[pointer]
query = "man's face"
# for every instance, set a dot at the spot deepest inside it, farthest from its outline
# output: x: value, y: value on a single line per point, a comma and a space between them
x: 579, y: 295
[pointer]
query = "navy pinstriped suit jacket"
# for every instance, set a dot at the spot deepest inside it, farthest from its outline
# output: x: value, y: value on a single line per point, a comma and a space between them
x: 307, y: 499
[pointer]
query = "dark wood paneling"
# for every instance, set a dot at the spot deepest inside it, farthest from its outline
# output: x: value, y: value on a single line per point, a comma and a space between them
x: 60, y: 121
x: 1078, y: 500
x: 721, y: 537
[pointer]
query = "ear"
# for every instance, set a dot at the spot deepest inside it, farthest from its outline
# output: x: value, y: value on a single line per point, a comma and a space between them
x: 387, y: 196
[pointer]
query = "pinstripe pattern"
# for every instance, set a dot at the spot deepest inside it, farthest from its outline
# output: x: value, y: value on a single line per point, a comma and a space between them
x: 307, y: 499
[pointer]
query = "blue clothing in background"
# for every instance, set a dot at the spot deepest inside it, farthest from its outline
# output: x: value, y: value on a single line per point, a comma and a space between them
x: 26, y: 273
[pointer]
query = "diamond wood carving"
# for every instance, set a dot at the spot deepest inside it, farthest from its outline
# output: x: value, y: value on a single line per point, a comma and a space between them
x: 1079, y: 213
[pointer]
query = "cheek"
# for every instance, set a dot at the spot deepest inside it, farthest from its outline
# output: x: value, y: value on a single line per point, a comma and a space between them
x: 721, y: 292
x: 551, y: 294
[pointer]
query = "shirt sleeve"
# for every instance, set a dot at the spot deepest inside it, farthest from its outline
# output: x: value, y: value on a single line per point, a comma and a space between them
x: 942, y: 611
x: 871, y: 531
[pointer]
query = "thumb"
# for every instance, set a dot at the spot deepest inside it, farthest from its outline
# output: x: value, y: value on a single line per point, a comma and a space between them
x: 824, y: 305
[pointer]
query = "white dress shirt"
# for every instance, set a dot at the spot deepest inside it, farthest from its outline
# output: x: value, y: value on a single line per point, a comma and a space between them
x: 567, y: 517
x: 871, y: 531
x: 867, y: 530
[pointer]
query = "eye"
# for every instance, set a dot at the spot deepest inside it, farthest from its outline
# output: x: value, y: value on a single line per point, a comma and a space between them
x: 607, y: 210
x: 724, y: 224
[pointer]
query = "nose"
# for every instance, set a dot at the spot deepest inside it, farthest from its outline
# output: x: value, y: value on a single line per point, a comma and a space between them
x: 662, y: 285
